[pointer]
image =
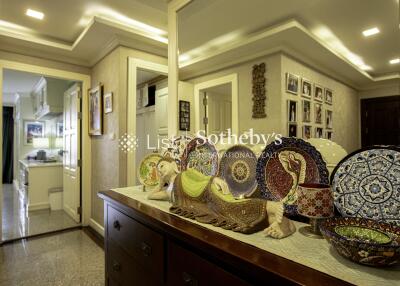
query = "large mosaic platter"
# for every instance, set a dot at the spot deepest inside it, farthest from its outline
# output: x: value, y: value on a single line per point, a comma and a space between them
x: 176, y: 148
x: 147, y: 172
x: 238, y: 168
x: 281, y: 167
x: 366, y: 184
x: 201, y: 155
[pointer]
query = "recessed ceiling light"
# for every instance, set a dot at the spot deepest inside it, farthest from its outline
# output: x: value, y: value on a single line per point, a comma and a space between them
x: 395, y: 61
x: 34, y: 14
x: 371, y: 32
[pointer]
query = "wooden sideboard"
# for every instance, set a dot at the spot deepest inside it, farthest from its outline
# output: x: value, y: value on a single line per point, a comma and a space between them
x: 146, y: 246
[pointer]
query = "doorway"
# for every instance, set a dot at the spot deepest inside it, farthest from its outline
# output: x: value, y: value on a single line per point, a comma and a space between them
x: 380, y: 121
x: 36, y: 195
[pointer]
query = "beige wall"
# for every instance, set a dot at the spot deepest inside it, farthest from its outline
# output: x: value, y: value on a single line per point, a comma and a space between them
x: 109, y: 163
x: 346, y: 109
x: 381, y: 92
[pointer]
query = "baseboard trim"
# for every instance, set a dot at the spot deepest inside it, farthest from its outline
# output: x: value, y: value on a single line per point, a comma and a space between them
x: 94, y: 235
x: 36, y: 207
x: 96, y: 226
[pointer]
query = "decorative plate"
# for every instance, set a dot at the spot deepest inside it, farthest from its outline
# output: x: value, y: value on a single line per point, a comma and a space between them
x: 366, y: 184
x: 281, y: 167
x: 238, y: 168
x: 201, y: 155
x: 147, y: 172
x: 364, y: 241
x: 176, y: 148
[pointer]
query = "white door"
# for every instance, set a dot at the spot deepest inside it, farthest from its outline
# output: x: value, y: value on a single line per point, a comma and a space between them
x: 72, y: 154
x: 218, y: 112
x: 161, y: 113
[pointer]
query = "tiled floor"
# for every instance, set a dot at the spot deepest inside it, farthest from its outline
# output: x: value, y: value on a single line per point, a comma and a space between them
x: 68, y: 258
x: 17, y: 222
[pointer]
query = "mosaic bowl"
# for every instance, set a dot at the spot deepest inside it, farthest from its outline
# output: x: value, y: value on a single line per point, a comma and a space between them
x: 363, y: 241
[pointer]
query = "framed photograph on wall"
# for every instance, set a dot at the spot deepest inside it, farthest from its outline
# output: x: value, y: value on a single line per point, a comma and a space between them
x: 319, y: 132
x: 328, y: 96
x: 108, y: 102
x: 306, y: 105
x: 318, y: 93
x: 96, y: 110
x: 59, y: 129
x: 292, y: 83
x: 318, y: 113
x: 328, y: 119
x: 292, y: 130
x: 329, y: 135
x: 184, y: 115
x: 306, y: 88
x: 33, y: 129
x: 292, y: 111
x: 307, y: 131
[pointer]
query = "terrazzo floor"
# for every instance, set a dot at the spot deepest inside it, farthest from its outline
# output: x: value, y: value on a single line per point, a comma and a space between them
x: 18, y: 222
x: 69, y: 258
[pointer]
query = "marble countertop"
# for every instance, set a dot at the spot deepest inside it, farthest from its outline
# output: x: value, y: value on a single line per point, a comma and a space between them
x: 39, y: 164
x: 317, y: 254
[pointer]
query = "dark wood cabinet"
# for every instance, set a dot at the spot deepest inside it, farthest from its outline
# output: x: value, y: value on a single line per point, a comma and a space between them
x: 146, y: 246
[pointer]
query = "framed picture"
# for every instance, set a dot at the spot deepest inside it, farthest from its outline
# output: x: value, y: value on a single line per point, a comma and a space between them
x: 184, y: 115
x: 318, y: 93
x: 108, y: 102
x: 96, y: 110
x: 292, y: 83
x: 292, y: 130
x: 33, y: 129
x: 328, y: 119
x: 306, y: 104
x: 307, y: 129
x: 318, y: 113
x: 292, y: 111
x: 319, y: 132
x: 328, y: 96
x: 306, y: 88
x: 59, y: 129
x: 329, y: 135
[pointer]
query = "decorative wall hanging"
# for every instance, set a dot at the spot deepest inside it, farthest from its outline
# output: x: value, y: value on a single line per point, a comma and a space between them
x: 292, y: 130
x: 307, y: 131
x: 318, y: 93
x: 306, y: 88
x: 201, y: 155
x: 33, y: 129
x: 108, y: 102
x: 96, y: 110
x: 176, y: 148
x: 319, y: 132
x: 329, y: 135
x: 318, y: 113
x: 238, y: 168
x: 281, y: 167
x: 366, y: 184
x: 207, y: 200
x: 184, y: 115
x: 328, y: 96
x: 259, y: 91
x: 147, y: 172
x: 363, y: 241
x: 306, y: 110
x: 292, y: 111
x: 328, y: 119
x: 292, y: 83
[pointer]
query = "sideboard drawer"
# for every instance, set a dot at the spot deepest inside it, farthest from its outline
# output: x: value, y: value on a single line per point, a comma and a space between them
x: 188, y: 269
x: 144, y: 245
x: 124, y: 270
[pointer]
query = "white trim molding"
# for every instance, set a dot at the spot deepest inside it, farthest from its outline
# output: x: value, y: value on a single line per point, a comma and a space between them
x: 97, y: 227
x: 233, y: 80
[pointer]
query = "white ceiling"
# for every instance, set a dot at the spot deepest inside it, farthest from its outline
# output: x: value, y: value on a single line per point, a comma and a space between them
x: 225, y: 89
x: 19, y: 82
x: 208, y: 25
x: 144, y: 76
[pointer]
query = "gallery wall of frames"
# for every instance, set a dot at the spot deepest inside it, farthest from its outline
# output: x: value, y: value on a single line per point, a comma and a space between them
x: 310, y: 109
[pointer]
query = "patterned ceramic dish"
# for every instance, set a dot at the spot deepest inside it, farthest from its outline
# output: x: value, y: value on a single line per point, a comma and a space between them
x: 363, y: 241
x: 281, y: 167
x: 238, y: 168
x: 147, y: 172
x: 366, y: 184
x: 176, y: 148
x: 201, y: 155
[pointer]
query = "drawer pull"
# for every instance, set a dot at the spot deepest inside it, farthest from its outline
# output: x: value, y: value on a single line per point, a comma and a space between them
x: 146, y: 249
x: 189, y: 279
x: 117, y: 225
x: 116, y: 266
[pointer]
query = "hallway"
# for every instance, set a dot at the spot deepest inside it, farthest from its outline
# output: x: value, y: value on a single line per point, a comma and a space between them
x: 17, y: 222
x: 69, y: 258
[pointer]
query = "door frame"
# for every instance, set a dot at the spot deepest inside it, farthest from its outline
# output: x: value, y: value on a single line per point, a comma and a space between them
x: 86, y: 141
x: 133, y: 65
x: 233, y: 80
x: 363, y: 103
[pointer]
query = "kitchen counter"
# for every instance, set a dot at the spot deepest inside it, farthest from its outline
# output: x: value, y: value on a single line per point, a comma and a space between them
x: 39, y: 164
